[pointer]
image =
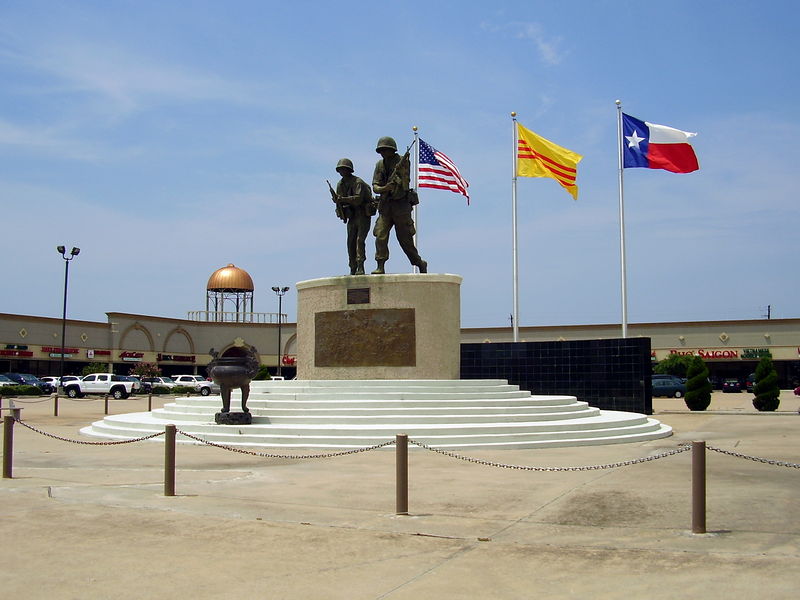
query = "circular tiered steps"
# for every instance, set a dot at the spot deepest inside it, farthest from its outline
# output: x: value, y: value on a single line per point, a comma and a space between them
x: 351, y: 414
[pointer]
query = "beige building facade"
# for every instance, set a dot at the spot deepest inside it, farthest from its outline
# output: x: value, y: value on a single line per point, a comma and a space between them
x: 32, y: 344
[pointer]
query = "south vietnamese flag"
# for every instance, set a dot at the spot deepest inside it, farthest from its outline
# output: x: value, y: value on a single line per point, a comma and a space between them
x: 656, y: 146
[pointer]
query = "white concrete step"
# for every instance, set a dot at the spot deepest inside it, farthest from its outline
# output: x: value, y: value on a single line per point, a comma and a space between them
x: 344, y: 414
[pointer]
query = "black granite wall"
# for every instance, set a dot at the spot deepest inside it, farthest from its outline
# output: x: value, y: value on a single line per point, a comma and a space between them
x: 610, y: 374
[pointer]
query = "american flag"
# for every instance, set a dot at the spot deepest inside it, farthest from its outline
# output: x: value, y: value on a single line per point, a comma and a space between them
x: 436, y: 170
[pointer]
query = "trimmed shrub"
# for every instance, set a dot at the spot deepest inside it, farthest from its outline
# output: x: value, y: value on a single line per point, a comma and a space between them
x: 766, y: 386
x: 182, y: 390
x: 160, y: 389
x: 20, y: 390
x: 698, y: 387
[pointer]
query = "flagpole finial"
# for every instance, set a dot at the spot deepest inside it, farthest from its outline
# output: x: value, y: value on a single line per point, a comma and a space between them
x: 618, y: 102
x: 513, y: 114
x: 414, y: 128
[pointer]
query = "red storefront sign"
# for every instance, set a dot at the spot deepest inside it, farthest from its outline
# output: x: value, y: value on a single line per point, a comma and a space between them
x: 19, y: 353
x: 709, y: 354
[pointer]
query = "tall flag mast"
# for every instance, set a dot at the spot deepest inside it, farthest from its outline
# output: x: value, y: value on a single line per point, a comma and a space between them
x: 622, y: 267
x: 535, y: 156
x: 434, y: 169
x: 415, y: 185
x: 514, y: 251
x: 652, y: 146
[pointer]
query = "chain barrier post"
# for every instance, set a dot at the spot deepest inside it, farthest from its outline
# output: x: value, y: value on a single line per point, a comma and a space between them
x: 150, y: 402
x: 401, y: 466
x: 169, y: 460
x: 699, y: 487
x: 105, y: 403
x: 8, y: 444
x: 55, y: 404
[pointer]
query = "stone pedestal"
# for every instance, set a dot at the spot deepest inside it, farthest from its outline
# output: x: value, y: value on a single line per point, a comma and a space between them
x: 233, y: 418
x: 405, y: 326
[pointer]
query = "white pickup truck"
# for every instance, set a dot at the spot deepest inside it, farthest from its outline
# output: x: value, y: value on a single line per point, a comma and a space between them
x: 100, y: 383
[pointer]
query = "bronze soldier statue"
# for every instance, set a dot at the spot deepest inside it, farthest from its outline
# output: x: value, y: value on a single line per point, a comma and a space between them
x: 391, y: 181
x: 354, y: 205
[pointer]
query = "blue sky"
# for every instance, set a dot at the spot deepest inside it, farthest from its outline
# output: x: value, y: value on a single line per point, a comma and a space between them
x: 166, y: 142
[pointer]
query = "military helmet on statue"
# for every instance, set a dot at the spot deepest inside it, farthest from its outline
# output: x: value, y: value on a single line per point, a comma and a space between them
x: 345, y: 163
x: 386, y: 142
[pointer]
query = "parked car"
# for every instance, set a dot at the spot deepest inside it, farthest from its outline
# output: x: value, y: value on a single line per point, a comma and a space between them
x: 54, y: 379
x: 199, y: 383
x: 145, y: 387
x: 731, y: 385
x: 666, y: 377
x: 166, y: 382
x: 672, y: 388
x: 28, y: 379
x: 797, y: 391
x: 6, y: 381
x: 137, y: 385
x: 117, y: 386
x: 750, y: 382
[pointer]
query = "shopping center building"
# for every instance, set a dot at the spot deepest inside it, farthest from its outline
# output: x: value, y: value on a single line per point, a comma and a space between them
x: 32, y: 344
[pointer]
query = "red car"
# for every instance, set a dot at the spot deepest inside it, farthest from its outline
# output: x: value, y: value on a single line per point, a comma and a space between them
x: 797, y: 391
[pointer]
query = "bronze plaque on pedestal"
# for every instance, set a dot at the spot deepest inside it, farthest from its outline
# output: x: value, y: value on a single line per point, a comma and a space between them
x: 380, y: 337
x: 358, y: 295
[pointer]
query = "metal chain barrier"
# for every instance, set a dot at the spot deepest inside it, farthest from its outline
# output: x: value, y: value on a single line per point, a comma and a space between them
x: 681, y: 448
x: 32, y: 401
x: 767, y: 461
x: 615, y: 465
x: 290, y: 456
x: 87, y: 443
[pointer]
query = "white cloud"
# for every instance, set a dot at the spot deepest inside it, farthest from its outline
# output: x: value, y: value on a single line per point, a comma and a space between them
x: 548, y: 47
x: 48, y: 140
x: 126, y: 79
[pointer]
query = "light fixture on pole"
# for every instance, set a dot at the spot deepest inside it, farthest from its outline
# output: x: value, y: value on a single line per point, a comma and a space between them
x: 67, y: 259
x: 280, y: 291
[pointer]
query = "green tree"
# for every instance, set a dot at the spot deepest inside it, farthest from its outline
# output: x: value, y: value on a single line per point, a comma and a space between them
x: 698, y: 387
x: 146, y: 369
x: 766, y: 386
x: 674, y: 364
x: 263, y: 374
x: 94, y: 368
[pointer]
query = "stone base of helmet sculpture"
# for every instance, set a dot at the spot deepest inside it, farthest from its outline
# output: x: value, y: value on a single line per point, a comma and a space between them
x: 380, y: 355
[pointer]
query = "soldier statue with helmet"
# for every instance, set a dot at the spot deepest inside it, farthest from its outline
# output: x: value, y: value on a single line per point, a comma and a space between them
x: 354, y: 206
x: 391, y: 182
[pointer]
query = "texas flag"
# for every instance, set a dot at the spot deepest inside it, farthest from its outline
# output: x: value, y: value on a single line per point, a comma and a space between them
x: 656, y: 146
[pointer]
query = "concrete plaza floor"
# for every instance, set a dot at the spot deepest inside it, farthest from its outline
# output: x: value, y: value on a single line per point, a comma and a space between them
x: 81, y: 521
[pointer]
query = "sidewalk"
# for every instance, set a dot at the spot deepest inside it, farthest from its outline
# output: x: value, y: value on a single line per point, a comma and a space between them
x: 92, y: 522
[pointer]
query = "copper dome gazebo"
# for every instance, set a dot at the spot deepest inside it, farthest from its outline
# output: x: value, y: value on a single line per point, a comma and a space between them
x: 232, y: 285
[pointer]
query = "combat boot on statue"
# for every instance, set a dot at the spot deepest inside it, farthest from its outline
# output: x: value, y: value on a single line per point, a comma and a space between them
x: 379, y: 270
x: 359, y: 268
x: 422, y: 266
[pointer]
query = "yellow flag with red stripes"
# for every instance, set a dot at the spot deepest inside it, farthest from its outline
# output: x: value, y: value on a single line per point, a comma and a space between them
x: 538, y: 157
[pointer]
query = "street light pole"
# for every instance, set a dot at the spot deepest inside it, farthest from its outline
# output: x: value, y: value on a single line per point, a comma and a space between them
x: 280, y: 291
x: 67, y: 259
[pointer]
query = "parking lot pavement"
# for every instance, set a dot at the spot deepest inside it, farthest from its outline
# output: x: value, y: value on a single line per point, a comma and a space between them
x: 92, y: 521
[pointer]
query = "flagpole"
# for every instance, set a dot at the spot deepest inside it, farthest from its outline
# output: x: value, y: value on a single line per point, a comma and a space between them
x: 415, y: 185
x: 515, y: 259
x: 623, y: 278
